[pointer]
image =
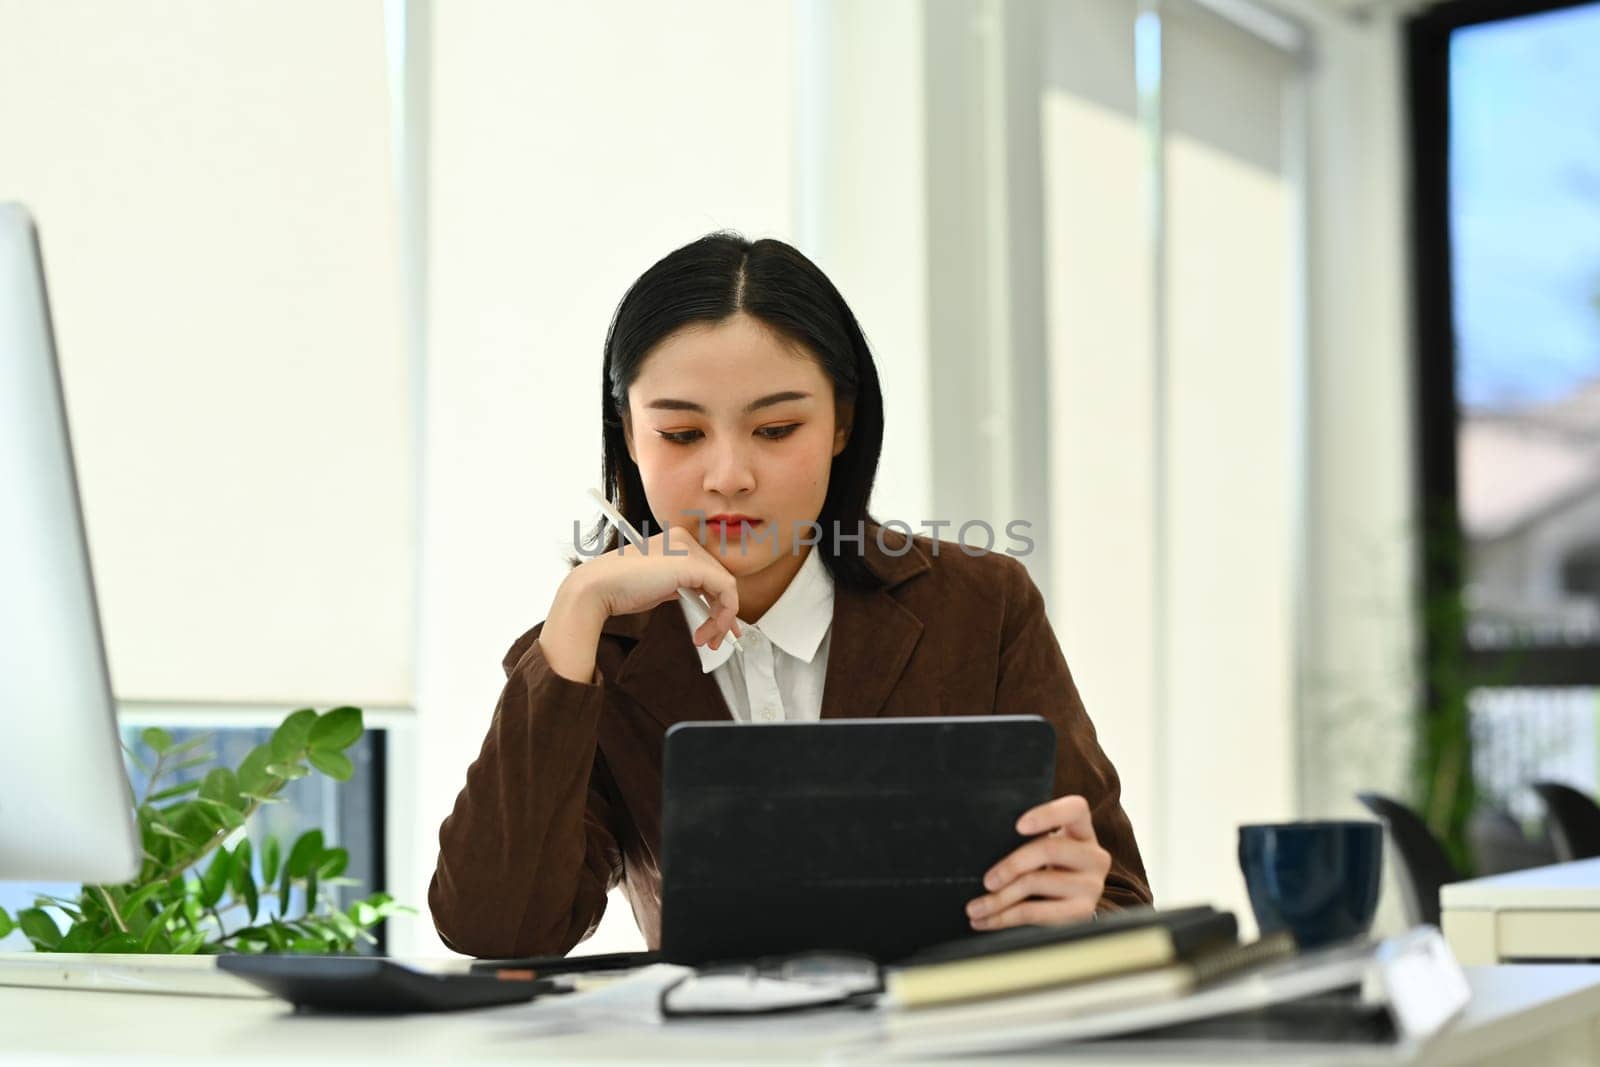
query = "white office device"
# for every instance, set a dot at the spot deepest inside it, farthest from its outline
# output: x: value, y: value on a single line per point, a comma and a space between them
x: 65, y: 813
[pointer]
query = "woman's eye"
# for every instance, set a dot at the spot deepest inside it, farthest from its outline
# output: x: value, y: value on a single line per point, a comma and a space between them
x: 686, y: 437
x: 773, y: 433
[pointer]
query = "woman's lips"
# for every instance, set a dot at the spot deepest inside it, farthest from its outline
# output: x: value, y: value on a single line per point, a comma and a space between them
x: 730, y: 527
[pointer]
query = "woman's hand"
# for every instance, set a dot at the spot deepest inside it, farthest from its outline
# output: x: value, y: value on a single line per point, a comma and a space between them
x: 627, y: 580
x: 1054, y: 879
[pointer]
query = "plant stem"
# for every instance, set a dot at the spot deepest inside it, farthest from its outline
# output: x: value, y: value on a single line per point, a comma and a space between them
x: 111, y: 906
x: 150, y: 783
x: 178, y: 866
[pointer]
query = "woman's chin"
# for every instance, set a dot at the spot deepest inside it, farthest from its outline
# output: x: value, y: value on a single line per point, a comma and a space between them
x: 741, y: 563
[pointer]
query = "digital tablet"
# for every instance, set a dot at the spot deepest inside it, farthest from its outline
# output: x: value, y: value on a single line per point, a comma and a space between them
x: 854, y: 835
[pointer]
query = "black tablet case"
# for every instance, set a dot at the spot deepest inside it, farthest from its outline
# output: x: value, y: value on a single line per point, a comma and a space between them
x: 863, y: 835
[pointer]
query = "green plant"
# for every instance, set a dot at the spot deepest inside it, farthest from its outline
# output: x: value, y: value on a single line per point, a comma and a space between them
x: 198, y: 889
x: 1445, y: 789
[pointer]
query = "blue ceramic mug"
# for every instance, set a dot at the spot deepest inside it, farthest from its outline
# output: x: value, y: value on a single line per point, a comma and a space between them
x: 1319, y: 879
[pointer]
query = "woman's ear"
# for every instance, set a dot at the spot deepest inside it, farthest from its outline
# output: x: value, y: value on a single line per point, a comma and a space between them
x: 844, y: 418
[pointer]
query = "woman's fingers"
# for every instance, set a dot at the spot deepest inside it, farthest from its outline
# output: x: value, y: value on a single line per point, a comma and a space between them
x: 1052, y: 850
x: 1057, y: 877
x: 1069, y: 813
x: 1050, y: 884
x: 705, y: 574
x: 1055, y: 912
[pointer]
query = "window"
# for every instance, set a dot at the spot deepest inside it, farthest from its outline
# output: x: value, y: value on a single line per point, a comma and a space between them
x: 1507, y: 151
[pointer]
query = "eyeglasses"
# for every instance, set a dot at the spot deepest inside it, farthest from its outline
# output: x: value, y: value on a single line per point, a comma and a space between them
x: 786, y: 983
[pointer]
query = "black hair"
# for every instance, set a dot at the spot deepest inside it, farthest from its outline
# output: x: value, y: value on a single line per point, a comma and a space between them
x: 706, y: 282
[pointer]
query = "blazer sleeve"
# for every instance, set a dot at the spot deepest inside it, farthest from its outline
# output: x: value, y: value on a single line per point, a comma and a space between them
x: 529, y: 852
x: 1034, y: 675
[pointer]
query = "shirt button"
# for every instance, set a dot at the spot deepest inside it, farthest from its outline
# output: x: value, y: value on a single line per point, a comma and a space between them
x: 769, y: 714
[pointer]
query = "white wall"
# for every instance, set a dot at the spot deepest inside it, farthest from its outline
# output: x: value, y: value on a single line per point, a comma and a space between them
x: 213, y: 192
x: 860, y: 209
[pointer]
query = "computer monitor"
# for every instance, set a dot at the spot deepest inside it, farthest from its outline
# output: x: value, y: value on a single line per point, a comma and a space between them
x: 65, y: 807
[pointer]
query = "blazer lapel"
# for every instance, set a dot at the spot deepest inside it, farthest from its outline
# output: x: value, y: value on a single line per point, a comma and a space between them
x: 873, y: 634
x: 663, y: 674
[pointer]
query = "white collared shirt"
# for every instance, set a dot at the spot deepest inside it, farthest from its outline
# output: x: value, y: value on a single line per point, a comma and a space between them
x: 785, y: 662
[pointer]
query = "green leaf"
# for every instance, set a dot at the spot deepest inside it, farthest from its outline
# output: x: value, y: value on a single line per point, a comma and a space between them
x: 7, y: 923
x: 285, y: 883
x: 189, y: 944
x: 117, y: 942
x: 215, y: 880
x: 303, y: 856
x: 222, y: 785
x: 160, y: 931
x: 141, y: 896
x: 374, y: 909
x: 224, y: 815
x: 174, y: 791
x: 190, y: 745
x: 195, y: 820
x: 157, y: 739
x: 161, y: 829
x: 311, y: 891
x: 39, y: 928
x: 335, y: 765
x: 270, y: 853
x: 337, y: 730
x: 191, y: 764
x: 287, y: 771
x: 80, y: 937
x: 332, y: 863
x: 261, y: 798
x: 290, y: 739
x: 242, y: 858
x: 253, y: 776
x: 345, y: 925
x: 244, y: 879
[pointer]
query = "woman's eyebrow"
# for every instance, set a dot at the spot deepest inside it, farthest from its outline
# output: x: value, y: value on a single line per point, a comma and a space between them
x: 669, y: 404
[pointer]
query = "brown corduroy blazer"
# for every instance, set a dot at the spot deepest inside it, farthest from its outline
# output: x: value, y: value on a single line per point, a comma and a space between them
x: 564, y: 800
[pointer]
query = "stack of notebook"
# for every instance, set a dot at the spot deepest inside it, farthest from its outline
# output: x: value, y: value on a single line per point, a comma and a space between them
x: 1125, y: 960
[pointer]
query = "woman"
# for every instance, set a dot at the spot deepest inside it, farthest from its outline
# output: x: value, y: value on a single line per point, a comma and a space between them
x: 741, y: 415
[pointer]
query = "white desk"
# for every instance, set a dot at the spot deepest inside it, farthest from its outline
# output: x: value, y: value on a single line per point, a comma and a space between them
x: 1546, y: 1015
x: 1541, y: 913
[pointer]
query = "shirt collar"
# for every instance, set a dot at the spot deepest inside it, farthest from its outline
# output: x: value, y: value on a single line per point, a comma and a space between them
x: 798, y: 621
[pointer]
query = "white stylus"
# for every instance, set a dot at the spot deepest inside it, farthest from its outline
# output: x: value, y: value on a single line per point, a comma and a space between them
x: 699, y: 611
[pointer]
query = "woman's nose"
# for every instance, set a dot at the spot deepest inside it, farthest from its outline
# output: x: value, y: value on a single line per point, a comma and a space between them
x: 730, y: 472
